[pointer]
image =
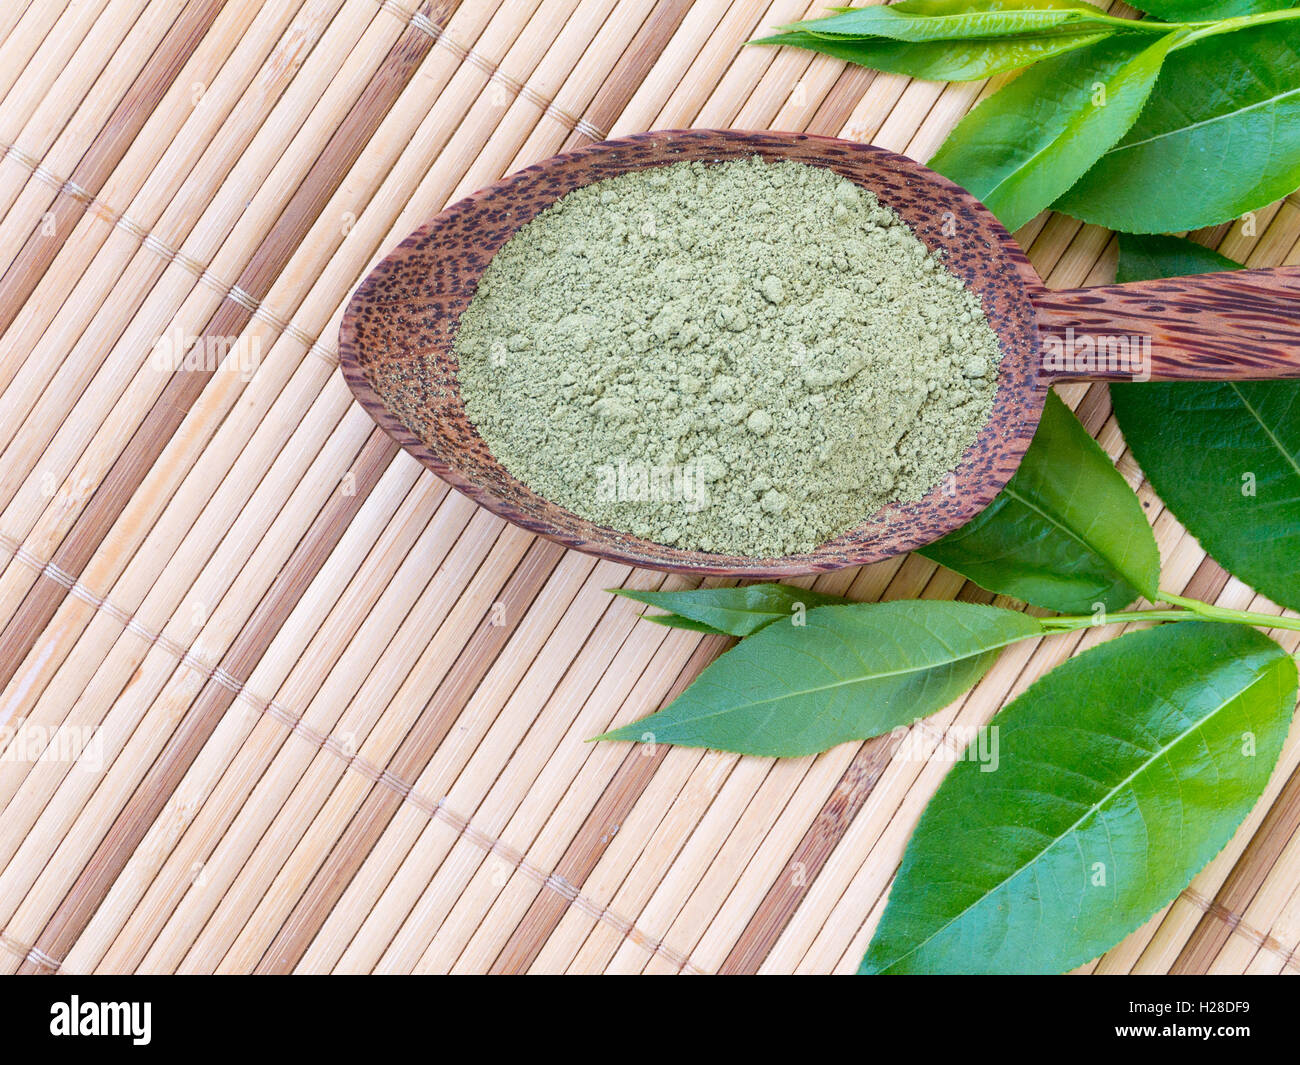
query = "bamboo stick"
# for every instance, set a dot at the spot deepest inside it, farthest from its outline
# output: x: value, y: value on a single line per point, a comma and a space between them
x: 140, y: 751
x: 129, y: 600
x: 505, y: 677
x: 183, y: 507
x: 144, y: 184
x: 97, y: 72
x: 506, y: 552
x: 94, y: 403
x: 391, y: 518
x: 364, y: 618
x: 197, y: 306
x: 99, y: 135
x: 22, y: 35
x: 598, y: 639
x: 1277, y: 952
x: 36, y: 82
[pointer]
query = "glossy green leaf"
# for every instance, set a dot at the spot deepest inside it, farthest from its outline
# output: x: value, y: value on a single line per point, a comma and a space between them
x: 957, y: 60
x: 1029, y: 142
x: 933, y: 20
x: 1220, y: 137
x: 734, y: 611
x: 1223, y: 456
x: 1066, y: 532
x: 848, y: 673
x: 1144, y: 258
x: 1118, y: 776
x: 1200, y: 10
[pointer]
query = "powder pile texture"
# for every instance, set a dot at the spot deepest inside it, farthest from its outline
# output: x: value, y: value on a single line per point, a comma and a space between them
x: 743, y: 357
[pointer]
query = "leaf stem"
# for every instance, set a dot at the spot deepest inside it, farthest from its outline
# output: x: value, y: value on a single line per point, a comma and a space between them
x: 1197, y: 29
x: 1236, y: 617
x: 1191, y: 610
x: 1070, y: 623
x: 1201, y: 30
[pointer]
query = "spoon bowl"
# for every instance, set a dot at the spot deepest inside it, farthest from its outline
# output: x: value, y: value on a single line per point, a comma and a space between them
x: 397, y: 331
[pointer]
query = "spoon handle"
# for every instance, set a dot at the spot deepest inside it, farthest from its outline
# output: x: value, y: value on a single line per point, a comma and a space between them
x: 1238, y: 326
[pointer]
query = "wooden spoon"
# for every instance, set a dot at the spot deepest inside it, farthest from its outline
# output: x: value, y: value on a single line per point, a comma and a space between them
x: 395, y: 341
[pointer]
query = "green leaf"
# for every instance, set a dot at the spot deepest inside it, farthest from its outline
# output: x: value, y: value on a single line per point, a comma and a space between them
x: 1029, y: 142
x: 1199, y: 10
x: 1119, y: 775
x: 1066, y: 532
x: 673, y: 621
x: 934, y: 20
x: 1220, y: 137
x: 734, y: 611
x: 1224, y: 456
x: 1146, y: 258
x: 850, y: 672
x: 958, y: 60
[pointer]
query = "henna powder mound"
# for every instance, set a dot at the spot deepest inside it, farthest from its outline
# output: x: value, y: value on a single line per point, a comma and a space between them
x: 744, y: 357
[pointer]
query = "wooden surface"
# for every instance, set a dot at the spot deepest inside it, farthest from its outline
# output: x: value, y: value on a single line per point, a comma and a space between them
x: 334, y: 712
x: 1242, y: 326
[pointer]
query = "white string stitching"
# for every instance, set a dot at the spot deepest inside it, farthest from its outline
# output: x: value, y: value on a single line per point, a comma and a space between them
x: 29, y: 954
x: 165, y: 251
x: 345, y: 751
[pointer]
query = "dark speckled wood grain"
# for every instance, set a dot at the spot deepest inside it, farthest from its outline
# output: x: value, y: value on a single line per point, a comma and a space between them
x: 395, y: 341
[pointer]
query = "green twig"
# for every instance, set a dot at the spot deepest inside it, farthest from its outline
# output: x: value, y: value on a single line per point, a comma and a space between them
x: 1201, y: 30
x: 1193, y: 31
x: 1191, y: 610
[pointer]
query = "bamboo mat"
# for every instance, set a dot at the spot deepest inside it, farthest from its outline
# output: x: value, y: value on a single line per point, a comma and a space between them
x: 302, y: 707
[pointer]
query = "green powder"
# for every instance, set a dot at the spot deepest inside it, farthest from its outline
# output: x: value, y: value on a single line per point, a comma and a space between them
x: 743, y: 357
